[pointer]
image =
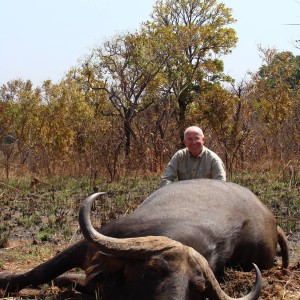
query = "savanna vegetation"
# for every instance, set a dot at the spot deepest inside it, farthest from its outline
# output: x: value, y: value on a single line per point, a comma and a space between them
x: 113, y: 122
x: 123, y: 109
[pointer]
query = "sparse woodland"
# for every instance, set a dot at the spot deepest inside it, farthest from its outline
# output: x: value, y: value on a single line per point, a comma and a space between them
x: 123, y: 109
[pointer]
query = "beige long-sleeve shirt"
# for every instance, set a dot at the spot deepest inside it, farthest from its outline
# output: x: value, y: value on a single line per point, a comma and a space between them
x: 184, y: 166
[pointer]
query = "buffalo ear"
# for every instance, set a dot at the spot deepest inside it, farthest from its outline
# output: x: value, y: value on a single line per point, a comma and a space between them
x: 113, y: 264
x: 158, y: 265
x: 102, y: 263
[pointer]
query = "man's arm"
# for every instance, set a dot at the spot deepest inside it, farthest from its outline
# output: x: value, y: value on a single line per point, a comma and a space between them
x: 170, y: 173
x: 218, y: 170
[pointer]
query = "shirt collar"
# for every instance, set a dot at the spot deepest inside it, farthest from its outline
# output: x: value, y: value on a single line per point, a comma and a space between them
x: 200, y: 155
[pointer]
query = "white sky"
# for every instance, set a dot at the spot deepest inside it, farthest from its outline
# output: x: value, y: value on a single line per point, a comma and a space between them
x: 43, y: 39
x: 261, y: 22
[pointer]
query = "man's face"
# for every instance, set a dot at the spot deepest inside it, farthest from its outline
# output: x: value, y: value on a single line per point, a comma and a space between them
x: 194, y: 142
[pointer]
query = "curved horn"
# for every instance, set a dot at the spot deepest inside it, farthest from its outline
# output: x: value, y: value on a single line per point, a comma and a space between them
x: 127, y: 247
x: 203, y: 267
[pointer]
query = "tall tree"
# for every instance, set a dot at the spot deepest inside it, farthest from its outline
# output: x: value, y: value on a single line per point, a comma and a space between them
x: 274, y: 84
x: 127, y: 65
x: 196, y: 35
x: 20, y: 117
x: 275, y: 92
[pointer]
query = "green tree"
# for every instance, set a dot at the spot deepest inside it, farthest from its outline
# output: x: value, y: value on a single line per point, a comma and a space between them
x: 280, y: 66
x: 274, y: 86
x: 20, y: 117
x: 275, y: 94
x: 66, y: 115
x: 196, y: 33
x: 99, y: 139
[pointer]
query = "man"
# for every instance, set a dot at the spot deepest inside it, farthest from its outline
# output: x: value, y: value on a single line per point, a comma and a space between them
x: 195, y: 161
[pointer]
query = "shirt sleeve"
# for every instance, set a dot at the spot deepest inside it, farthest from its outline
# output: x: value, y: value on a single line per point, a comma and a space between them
x: 171, y: 171
x: 218, y: 170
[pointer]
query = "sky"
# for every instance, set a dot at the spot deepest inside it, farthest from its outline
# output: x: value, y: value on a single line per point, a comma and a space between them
x: 43, y: 39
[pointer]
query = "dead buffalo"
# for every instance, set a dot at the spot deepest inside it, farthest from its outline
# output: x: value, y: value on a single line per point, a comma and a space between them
x: 171, y: 247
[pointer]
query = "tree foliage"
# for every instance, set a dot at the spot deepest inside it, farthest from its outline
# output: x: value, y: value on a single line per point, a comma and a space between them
x: 275, y: 96
x: 127, y: 65
x: 199, y: 34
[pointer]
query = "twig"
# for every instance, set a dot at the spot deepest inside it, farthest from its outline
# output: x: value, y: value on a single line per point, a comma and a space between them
x: 73, y: 236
